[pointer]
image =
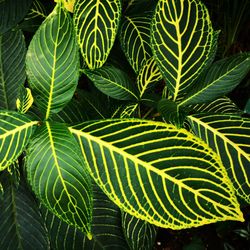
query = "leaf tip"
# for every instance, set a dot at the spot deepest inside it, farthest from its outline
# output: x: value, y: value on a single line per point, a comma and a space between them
x: 89, y: 236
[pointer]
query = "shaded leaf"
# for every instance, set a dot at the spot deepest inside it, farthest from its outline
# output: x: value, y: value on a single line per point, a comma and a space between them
x: 25, y: 100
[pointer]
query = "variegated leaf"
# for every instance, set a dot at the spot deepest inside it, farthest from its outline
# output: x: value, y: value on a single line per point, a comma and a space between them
x: 157, y: 173
x: 25, y: 100
x: 229, y: 136
x: 183, y: 42
x: 15, y: 132
x: 96, y: 23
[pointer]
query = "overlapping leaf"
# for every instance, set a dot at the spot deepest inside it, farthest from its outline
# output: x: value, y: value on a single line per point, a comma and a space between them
x: 148, y: 75
x: 183, y: 42
x: 12, y: 67
x: 221, y: 105
x: 96, y: 24
x: 157, y: 173
x: 25, y: 100
x: 106, y: 228
x: 140, y: 234
x: 135, y: 40
x: 21, y: 224
x: 15, y: 132
x: 113, y: 82
x: 229, y: 136
x: 52, y: 62
x: 220, y: 79
x: 12, y: 12
x: 57, y: 175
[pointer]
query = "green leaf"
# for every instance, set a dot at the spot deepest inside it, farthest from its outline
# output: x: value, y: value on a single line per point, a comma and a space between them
x: 222, y: 77
x: 183, y: 42
x: 135, y: 7
x: 222, y: 105
x: 53, y: 62
x: 58, y: 177
x: 96, y: 23
x: 12, y: 67
x: 135, y: 40
x: 148, y: 75
x: 157, y: 172
x: 15, y: 132
x: 106, y: 228
x: 247, y: 107
x: 171, y: 112
x: 12, y: 12
x: 21, y: 224
x: 25, y: 100
x: 229, y: 136
x: 112, y: 82
x: 140, y: 234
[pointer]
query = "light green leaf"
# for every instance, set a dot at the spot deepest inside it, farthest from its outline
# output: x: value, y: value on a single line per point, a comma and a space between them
x: 229, y: 136
x: 222, y: 77
x: 113, y: 82
x: 12, y: 12
x: 12, y: 67
x: 183, y: 42
x: 222, y: 105
x: 58, y: 177
x: 25, y: 100
x: 140, y: 234
x: 15, y: 132
x: 158, y: 173
x: 21, y: 224
x: 96, y: 23
x: 53, y: 62
x: 135, y: 40
x: 148, y: 75
x: 106, y: 228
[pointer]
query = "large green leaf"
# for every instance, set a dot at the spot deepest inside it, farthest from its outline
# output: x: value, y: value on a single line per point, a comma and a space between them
x: 106, y: 228
x: 229, y: 136
x: 96, y: 24
x: 53, y: 62
x: 21, y: 224
x: 183, y: 42
x: 157, y: 172
x: 57, y: 175
x: 113, y: 82
x: 222, y: 105
x: 222, y: 77
x: 140, y: 234
x: 15, y: 132
x: 135, y: 40
x: 12, y: 12
x: 12, y: 67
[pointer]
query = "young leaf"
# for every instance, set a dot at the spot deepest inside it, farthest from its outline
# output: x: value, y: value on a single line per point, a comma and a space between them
x: 140, y: 234
x: 15, y: 132
x: 25, y: 100
x: 12, y: 12
x: 96, y: 23
x: 183, y: 42
x: 136, y: 162
x: 229, y: 136
x: 113, y: 82
x: 58, y: 176
x: 12, y: 67
x: 53, y: 62
x: 106, y: 227
x: 148, y: 75
x: 222, y: 77
x: 135, y: 40
x: 21, y: 224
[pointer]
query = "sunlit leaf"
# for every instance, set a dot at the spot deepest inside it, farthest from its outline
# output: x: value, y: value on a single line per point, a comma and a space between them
x: 96, y: 24
x: 229, y: 136
x: 183, y: 42
x: 157, y: 173
x: 53, y: 63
